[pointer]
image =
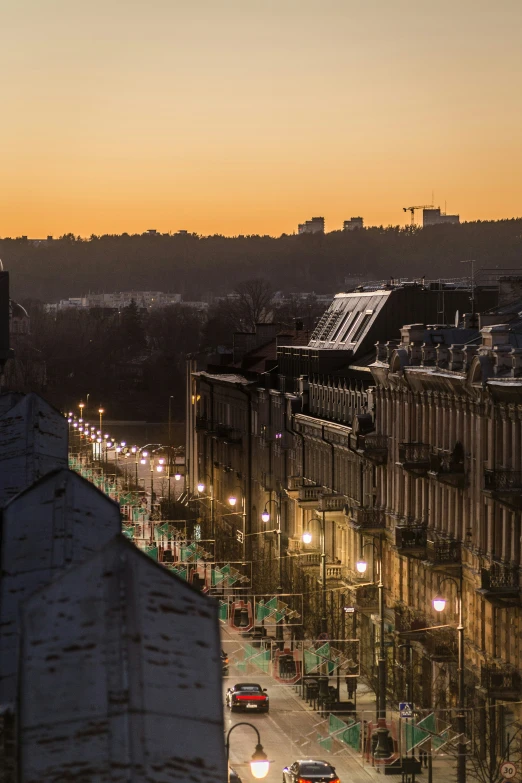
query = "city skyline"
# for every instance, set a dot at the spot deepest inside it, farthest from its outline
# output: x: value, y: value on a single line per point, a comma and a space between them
x: 250, y: 118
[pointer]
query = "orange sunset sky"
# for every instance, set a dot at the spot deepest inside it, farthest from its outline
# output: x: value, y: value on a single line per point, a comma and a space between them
x: 249, y: 116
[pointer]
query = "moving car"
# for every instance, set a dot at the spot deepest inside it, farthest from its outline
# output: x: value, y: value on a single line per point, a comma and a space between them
x: 248, y: 696
x: 310, y: 771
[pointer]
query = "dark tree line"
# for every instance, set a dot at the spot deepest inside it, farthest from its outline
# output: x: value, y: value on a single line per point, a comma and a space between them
x: 132, y: 361
x: 195, y: 266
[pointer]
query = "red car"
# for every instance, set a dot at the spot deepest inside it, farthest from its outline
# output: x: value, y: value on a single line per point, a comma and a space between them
x: 248, y: 696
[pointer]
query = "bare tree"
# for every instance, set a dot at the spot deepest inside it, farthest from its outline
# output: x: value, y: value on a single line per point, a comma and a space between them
x: 253, y: 303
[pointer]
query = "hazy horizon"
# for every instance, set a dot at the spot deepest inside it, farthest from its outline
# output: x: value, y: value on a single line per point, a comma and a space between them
x: 251, y: 117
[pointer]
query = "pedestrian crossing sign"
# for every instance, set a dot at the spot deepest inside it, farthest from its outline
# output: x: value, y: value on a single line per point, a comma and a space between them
x: 406, y: 709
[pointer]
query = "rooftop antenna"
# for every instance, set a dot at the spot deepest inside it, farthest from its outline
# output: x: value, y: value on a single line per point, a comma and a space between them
x: 472, y: 262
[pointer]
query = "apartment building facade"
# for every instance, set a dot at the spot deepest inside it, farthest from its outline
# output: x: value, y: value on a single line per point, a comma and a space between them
x: 402, y: 443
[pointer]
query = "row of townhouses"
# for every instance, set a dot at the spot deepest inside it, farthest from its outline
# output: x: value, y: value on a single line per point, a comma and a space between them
x: 397, y: 443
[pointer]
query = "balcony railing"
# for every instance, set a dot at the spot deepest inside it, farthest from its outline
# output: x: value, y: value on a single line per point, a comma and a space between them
x: 334, y: 571
x: 372, y: 446
x: 500, y: 578
x: 366, y: 597
x: 296, y: 482
x: 444, y: 553
x: 414, y: 457
x: 202, y: 423
x: 226, y: 432
x: 331, y: 503
x: 501, y: 683
x: 504, y: 480
x: 310, y: 559
x: 410, y: 537
x: 309, y: 494
x: 367, y: 518
x: 445, y: 467
x: 505, y: 485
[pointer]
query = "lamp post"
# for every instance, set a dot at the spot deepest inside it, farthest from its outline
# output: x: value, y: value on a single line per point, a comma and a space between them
x: 307, y: 539
x: 259, y: 765
x: 265, y: 516
x: 101, y: 411
x: 439, y: 604
x: 201, y: 488
x: 382, y: 750
x: 232, y: 500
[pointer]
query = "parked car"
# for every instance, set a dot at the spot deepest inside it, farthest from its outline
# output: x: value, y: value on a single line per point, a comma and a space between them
x: 247, y: 696
x: 311, y: 771
x: 233, y: 777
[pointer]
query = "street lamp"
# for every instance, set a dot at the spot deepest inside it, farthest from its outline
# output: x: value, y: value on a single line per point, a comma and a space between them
x: 382, y: 750
x: 307, y: 539
x: 265, y: 516
x: 201, y: 488
x: 259, y: 765
x: 439, y: 604
x: 232, y: 500
x: 101, y: 411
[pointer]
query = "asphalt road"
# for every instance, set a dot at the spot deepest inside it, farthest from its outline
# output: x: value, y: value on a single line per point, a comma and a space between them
x: 288, y: 732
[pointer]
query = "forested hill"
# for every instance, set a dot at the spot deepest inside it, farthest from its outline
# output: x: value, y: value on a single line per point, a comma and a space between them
x: 193, y: 265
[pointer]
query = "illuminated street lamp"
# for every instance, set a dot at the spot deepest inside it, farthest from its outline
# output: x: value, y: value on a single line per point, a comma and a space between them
x: 307, y: 539
x: 259, y: 764
x: 382, y: 750
x: 439, y: 604
x: 232, y: 501
x: 101, y: 411
x: 265, y: 517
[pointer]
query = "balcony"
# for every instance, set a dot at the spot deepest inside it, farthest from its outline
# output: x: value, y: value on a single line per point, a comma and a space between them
x: 415, y: 458
x: 502, y: 684
x: 504, y: 485
x: 332, y: 504
x: 500, y: 583
x: 443, y: 554
x: 366, y: 599
x: 295, y: 483
x: 371, y: 446
x: 202, y: 423
x: 367, y: 520
x: 227, y: 433
x: 411, y: 539
x: 334, y: 572
x: 308, y: 497
x: 310, y: 559
x: 448, y: 467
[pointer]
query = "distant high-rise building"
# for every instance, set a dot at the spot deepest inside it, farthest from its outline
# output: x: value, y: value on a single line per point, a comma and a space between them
x: 354, y: 222
x: 434, y: 217
x: 313, y: 226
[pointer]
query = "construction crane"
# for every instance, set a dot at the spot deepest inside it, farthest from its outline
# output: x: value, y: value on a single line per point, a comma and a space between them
x: 412, y: 211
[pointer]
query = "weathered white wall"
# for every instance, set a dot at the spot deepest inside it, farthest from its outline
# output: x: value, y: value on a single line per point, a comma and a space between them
x: 121, y: 676
x: 33, y: 441
x: 55, y: 524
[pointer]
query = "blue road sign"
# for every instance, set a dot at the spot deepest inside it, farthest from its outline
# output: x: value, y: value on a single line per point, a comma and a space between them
x: 406, y: 709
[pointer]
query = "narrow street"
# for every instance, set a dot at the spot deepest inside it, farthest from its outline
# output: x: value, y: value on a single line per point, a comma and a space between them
x: 288, y: 732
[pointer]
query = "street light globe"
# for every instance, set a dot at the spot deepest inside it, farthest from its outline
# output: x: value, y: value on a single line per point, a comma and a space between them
x: 201, y: 487
x: 260, y: 765
x: 307, y: 538
x: 177, y: 476
x: 361, y: 566
x: 123, y: 443
x: 133, y: 449
x: 75, y: 424
x: 265, y: 516
x: 142, y: 461
x: 232, y: 500
x: 145, y: 453
x: 159, y: 468
x: 439, y: 603
x: 161, y: 461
